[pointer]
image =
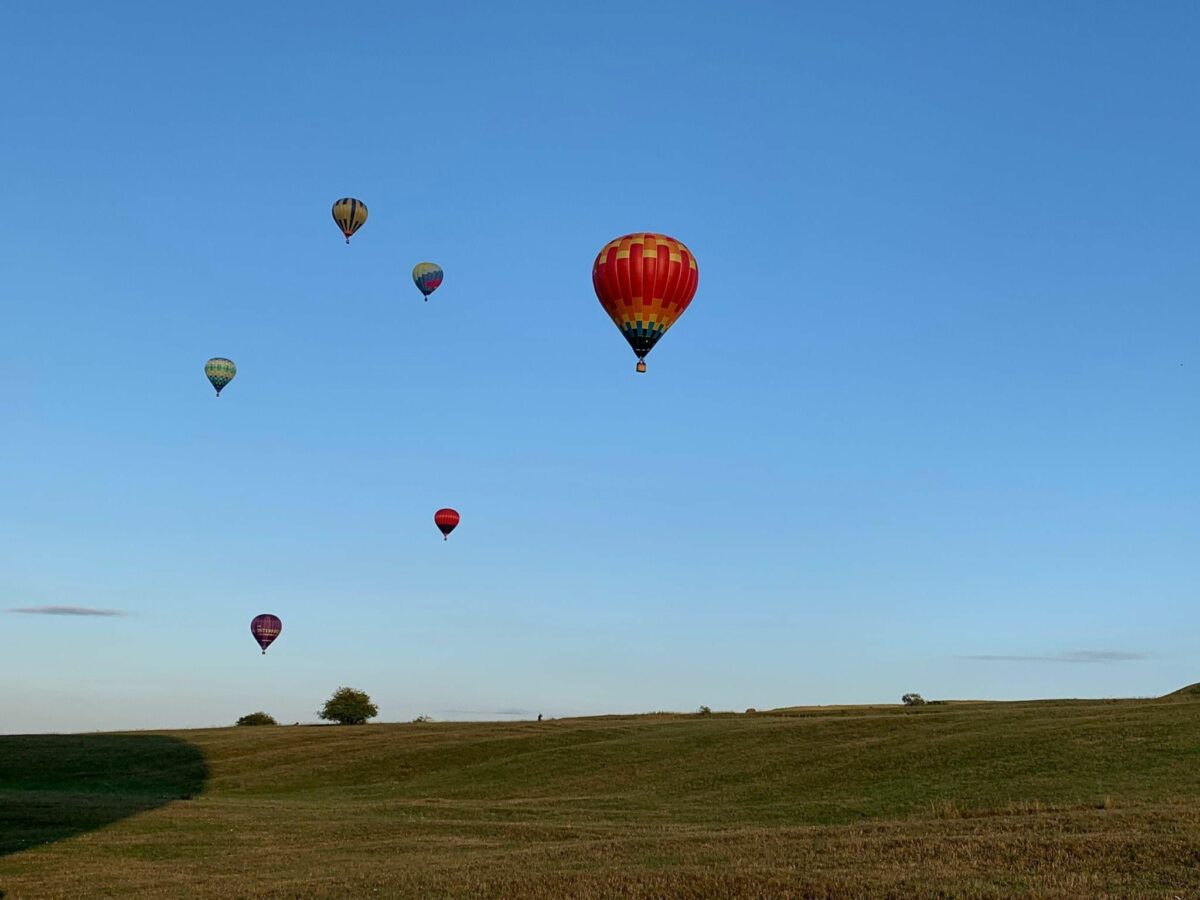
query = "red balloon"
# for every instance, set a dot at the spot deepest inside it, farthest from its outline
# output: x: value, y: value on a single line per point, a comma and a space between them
x: 446, y: 520
x: 265, y: 629
x: 645, y: 281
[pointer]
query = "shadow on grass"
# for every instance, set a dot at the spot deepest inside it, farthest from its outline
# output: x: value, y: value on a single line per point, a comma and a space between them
x: 55, y: 786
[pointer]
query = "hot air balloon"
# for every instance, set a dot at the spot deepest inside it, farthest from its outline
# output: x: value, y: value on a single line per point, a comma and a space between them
x: 350, y: 214
x: 427, y: 276
x: 644, y: 282
x: 446, y: 520
x: 220, y: 372
x: 265, y: 629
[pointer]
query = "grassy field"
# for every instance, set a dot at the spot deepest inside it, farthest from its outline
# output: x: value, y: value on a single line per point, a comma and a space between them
x: 1038, y: 799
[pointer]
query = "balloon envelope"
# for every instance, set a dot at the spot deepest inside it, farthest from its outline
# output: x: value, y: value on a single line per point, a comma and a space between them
x: 220, y: 372
x: 265, y: 629
x: 427, y: 276
x: 645, y: 281
x: 350, y: 214
x: 446, y: 520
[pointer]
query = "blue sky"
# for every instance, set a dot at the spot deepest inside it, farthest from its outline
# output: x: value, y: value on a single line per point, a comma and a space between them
x: 929, y: 425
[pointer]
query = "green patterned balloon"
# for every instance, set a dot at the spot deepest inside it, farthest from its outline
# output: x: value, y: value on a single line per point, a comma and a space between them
x: 220, y: 372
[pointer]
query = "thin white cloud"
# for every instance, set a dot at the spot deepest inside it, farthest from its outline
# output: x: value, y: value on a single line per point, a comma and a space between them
x: 66, y: 611
x: 489, y: 712
x: 1070, y: 656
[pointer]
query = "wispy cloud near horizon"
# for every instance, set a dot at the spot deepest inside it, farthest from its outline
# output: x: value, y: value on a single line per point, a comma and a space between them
x: 489, y: 712
x: 1070, y: 656
x: 67, y: 611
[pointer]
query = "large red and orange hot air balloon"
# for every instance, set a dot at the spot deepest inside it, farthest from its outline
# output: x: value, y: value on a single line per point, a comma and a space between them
x: 446, y: 520
x: 645, y: 281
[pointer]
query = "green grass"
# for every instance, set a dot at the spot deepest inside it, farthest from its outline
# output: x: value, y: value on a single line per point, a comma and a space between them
x: 1052, y: 798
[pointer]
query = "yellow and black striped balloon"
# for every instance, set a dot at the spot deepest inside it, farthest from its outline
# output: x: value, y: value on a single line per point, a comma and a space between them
x: 350, y: 214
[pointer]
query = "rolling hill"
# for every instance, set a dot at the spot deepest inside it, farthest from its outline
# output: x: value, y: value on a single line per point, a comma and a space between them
x: 1064, y: 798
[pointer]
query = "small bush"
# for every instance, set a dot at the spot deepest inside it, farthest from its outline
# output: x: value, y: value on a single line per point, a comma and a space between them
x: 420, y: 719
x: 913, y: 700
x: 257, y: 718
x: 751, y: 711
x: 348, y: 707
x: 704, y: 711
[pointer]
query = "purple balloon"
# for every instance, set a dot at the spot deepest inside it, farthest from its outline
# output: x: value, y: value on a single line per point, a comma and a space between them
x: 265, y: 629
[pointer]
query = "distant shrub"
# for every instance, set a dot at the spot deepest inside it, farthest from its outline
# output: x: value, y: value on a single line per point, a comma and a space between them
x: 913, y: 700
x: 751, y: 711
x: 420, y: 719
x: 257, y: 718
x: 348, y: 707
x: 704, y: 711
